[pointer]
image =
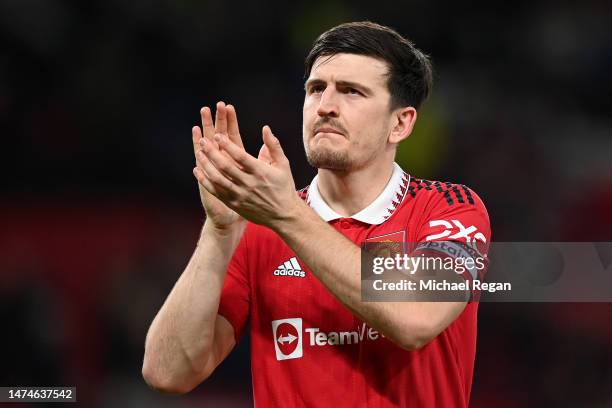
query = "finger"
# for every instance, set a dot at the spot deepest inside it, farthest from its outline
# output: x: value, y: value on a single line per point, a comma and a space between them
x: 203, y: 181
x: 196, y: 136
x: 233, y: 130
x: 221, y: 118
x: 273, y: 144
x: 225, y: 165
x: 222, y: 184
x: 248, y: 163
x: 207, y: 122
x: 264, y: 154
x: 197, y: 139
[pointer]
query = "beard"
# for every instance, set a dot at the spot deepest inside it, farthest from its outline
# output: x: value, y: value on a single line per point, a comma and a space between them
x: 323, y: 158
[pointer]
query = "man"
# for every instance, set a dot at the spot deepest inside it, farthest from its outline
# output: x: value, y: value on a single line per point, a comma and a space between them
x: 290, y: 263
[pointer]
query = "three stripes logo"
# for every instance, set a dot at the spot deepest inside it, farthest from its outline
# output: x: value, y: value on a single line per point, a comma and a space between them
x: 290, y: 268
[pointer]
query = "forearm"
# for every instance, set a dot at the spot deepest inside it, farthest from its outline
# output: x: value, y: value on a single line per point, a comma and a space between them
x: 336, y: 262
x: 180, y: 340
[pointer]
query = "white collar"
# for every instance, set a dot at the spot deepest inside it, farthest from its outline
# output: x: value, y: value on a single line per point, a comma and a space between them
x: 377, y: 212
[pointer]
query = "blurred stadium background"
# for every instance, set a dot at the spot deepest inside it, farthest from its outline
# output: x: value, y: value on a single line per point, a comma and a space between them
x: 100, y: 211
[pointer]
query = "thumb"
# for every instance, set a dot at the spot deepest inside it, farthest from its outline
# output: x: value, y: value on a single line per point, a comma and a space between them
x: 273, y: 144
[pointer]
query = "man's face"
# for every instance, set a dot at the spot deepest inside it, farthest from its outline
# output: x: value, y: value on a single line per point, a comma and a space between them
x: 346, y: 116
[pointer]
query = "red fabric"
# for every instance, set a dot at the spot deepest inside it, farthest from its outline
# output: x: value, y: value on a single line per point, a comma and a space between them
x: 366, y: 370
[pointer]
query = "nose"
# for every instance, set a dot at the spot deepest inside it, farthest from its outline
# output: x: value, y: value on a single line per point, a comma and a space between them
x: 328, y: 105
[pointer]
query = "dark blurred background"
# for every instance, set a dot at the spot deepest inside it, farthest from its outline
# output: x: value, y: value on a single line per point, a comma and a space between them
x: 100, y: 212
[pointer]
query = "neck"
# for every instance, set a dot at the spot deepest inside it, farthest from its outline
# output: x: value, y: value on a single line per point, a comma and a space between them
x: 350, y: 192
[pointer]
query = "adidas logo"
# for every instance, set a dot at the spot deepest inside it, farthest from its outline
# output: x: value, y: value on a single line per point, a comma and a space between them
x: 290, y: 268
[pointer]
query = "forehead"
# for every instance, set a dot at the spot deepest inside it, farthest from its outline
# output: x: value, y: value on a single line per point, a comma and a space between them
x: 350, y: 67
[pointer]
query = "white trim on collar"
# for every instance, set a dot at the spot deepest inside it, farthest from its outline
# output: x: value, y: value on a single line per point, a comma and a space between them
x: 378, y: 211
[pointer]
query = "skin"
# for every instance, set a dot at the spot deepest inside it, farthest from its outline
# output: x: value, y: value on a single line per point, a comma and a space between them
x: 188, y: 339
x: 351, y: 132
x: 350, y: 93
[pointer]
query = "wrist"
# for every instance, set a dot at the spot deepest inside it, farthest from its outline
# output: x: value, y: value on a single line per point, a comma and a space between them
x: 229, y: 232
x: 292, y: 215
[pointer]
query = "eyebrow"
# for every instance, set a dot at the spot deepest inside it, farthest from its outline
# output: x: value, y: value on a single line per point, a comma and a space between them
x: 342, y: 84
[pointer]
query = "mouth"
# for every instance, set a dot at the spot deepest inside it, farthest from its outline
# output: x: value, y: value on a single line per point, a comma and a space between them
x: 328, y: 130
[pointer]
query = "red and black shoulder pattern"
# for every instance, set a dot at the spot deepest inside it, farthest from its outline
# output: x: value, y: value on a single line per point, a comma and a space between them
x: 453, y: 193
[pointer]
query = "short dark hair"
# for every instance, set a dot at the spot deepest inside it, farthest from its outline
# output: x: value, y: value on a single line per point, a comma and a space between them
x: 410, y: 77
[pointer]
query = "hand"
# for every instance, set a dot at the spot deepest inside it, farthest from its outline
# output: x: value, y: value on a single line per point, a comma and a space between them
x: 261, y: 190
x: 226, y: 123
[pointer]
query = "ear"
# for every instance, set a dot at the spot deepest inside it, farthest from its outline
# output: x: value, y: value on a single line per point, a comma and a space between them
x: 403, y: 119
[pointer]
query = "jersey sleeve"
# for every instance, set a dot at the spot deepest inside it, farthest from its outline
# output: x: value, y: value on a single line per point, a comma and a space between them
x: 457, y: 229
x: 235, y: 302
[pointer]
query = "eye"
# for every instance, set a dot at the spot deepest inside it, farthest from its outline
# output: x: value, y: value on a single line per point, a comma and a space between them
x: 353, y: 91
x: 316, y: 89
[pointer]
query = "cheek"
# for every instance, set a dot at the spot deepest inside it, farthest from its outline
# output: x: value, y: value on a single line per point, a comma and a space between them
x: 370, y: 135
x: 308, y: 114
x: 310, y: 104
x: 306, y: 125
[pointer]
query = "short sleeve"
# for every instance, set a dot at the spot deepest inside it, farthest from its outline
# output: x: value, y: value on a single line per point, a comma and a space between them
x: 457, y: 230
x: 235, y: 297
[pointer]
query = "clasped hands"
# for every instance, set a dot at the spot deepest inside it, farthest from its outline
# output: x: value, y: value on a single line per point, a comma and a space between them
x: 259, y: 189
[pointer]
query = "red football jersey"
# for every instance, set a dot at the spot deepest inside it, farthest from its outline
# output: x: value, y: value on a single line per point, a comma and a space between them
x: 307, y: 349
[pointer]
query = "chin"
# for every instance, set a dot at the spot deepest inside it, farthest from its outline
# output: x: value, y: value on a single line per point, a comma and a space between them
x: 330, y: 159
